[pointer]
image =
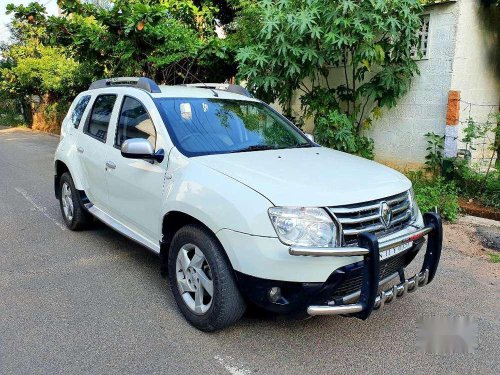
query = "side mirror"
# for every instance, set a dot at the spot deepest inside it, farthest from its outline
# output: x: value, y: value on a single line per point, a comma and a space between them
x: 309, y: 136
x: 139, y: 148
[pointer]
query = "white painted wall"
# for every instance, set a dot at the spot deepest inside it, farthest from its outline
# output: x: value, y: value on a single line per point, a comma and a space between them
x: 474, y: 66
x: 399, y: 134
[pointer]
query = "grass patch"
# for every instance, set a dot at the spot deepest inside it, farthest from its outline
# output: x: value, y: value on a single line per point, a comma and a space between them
x: 435, y: 194
x: 480, y: 187
x: 495, y: 258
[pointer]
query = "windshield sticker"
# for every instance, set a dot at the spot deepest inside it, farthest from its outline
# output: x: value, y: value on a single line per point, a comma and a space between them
x: 186, y: 112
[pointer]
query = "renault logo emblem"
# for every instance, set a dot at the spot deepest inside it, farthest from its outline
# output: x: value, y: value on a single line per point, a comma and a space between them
x: 385, y: 214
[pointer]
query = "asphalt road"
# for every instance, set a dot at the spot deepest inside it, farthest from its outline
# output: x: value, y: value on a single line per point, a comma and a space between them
x: 93, y: 302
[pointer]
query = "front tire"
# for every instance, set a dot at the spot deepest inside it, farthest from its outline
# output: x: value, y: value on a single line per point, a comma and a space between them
x: 202, y: 281
x: 74, y: 214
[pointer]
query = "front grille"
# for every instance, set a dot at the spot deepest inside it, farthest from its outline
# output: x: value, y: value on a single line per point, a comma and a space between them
x: 353, y: 284
x: 365, y: 217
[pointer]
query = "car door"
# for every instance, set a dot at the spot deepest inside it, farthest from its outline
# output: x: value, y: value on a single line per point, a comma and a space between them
x: 93, y: 148
x: 136, y: 186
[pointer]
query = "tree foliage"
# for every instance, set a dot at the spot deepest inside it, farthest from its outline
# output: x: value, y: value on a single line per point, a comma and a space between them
x: 172, y: 41
x: 37, y: 70
x: 304, y: 46
x: 169, y: 40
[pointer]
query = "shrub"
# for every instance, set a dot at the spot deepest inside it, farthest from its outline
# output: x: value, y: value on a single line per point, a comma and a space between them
x: 434, y: 157
x: 10, y: 112
x: 296, y: 47
x: 485, y: 188
x: 435, y: 194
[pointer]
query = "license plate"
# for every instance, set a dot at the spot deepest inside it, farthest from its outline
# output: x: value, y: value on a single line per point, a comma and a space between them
x: 395, y: 250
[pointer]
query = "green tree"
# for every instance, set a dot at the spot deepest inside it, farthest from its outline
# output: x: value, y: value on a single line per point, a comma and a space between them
x: 172, y: 41
x: 38, y: 77
x: 34, y: 74
x: 38, y: 70
x: 295, y: 46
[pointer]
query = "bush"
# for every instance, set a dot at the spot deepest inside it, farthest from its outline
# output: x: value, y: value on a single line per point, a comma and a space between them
x: 335, y: 130
x: 435, y: 194
x: 10, y: 112
x: 296, y: 49
x: 484, y: 188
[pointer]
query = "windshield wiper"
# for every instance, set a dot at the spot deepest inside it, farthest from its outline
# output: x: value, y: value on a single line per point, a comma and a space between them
x: 302, y: 145
x: 255, y: 148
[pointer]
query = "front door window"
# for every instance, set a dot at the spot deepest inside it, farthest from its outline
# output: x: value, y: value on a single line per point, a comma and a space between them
x: 134, y: 122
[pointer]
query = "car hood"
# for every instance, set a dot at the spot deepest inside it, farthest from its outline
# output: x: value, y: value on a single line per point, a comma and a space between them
x: 307, y: 177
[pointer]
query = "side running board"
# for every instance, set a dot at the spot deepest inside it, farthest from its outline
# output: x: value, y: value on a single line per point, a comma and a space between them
x: 119, y: 227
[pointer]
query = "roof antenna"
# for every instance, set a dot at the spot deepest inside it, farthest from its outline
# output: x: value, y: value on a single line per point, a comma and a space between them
x: 192, y: 75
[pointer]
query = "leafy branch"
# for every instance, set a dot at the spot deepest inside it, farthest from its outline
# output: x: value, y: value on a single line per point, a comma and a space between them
x: 294, y: 46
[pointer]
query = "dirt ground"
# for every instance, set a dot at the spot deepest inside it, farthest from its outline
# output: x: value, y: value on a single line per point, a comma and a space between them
x: 475, y: 238
x: 471, y: 207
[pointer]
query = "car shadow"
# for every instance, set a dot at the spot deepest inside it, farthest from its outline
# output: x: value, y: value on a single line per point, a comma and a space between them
x: 145, y: 260
x: 147, y: 266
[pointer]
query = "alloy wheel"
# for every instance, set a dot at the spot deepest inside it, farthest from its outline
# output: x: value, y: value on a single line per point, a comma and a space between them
x: 194, y: 279
x: 67, y: 201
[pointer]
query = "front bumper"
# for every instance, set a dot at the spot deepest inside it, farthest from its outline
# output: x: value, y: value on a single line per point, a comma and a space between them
x: 353, y: 289
x: 370, y: 299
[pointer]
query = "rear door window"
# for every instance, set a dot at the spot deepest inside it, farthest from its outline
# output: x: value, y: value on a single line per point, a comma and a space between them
x: 76, y: 115
x: 98, y: 123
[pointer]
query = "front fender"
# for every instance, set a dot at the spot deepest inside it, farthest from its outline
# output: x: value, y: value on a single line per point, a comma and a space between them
x: 218, y: 201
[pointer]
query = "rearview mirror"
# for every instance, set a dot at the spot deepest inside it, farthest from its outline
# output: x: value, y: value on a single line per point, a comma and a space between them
x: 139, y: 148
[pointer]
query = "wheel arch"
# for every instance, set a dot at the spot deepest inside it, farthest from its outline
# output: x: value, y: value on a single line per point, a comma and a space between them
x: 171, y: 223
x: 59, y: 169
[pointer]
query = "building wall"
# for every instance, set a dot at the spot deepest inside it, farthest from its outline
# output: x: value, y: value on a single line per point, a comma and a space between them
x: 399, y: 133
x: 476, y: 69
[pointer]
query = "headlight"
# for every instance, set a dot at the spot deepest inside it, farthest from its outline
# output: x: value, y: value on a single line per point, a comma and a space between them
x: 413, y: 204
x: 304, y: 226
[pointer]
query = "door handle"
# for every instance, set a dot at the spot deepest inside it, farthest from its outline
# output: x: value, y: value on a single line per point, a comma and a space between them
x: 80, y: 150
x: 110, y: 165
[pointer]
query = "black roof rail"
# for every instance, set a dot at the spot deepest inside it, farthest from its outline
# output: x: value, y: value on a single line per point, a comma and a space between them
x: 235, y: 89
x: 143, y: 83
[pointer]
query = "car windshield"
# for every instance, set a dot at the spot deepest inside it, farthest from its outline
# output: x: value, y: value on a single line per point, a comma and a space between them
x: 200, y: 126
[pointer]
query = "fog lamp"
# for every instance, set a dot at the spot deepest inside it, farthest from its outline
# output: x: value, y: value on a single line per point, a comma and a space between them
x: 274, y: 293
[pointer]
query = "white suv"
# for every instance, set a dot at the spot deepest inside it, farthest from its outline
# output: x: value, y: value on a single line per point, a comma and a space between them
x: 240, y: 205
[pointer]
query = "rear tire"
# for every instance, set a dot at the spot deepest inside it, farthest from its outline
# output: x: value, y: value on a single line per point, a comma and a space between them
x: 74, y: 214
x: 202, y: 281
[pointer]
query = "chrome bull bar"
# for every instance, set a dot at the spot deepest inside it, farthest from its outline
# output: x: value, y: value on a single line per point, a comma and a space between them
x: 357, y: 250
x: 369, y: 298
x: 385, y: 297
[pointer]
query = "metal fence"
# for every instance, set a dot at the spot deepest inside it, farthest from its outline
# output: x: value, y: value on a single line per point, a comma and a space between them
x: 480, y: 135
